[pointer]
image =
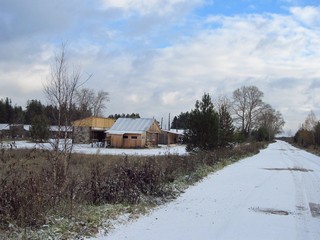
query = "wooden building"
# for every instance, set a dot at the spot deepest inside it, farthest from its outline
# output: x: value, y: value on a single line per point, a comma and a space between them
x: 91, y: 130
x: 134, y: 133
x: 171, y: 137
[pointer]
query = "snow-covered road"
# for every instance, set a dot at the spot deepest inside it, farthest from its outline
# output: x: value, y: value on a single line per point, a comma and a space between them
x: 273, y: 195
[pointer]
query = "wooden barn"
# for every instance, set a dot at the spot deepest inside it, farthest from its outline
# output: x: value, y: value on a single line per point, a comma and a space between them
x: 91, y: 130
x: 134, y: 133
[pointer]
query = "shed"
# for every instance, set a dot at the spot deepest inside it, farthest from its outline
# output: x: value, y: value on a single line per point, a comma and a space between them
x: 172, y: 136
x: 134, y: 133
x: 91, y: 129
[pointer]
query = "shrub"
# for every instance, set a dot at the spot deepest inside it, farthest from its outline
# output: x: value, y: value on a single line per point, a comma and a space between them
x: 29, y: 195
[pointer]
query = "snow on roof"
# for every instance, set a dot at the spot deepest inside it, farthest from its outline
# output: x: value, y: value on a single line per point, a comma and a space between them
x: 177, y: 131
x: 4, y: 126
x: 131, y: 125
x: 26, y: 127
x: 62, y: 128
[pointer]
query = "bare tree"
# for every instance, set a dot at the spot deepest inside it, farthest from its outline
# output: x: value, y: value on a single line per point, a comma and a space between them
x: 223, y: 101
x: 310, y: 124
x: 99, y: 103
x: 247, y: 103
x: 270, y: 120
x: 89, y: 101
x: 310, y: 121
x: 84, y: 99
x: 60, y: 91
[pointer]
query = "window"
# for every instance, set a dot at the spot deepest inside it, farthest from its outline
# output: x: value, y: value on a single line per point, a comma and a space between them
x: 125, y: 137
x: 134, y: 137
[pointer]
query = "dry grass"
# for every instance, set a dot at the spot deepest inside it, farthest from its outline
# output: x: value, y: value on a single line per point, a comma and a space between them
x: 30, y: 199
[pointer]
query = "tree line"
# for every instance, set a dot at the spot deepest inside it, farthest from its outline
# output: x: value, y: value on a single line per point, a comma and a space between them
x: 14, y: 114
x: 308, y: 134
x: 244, y: 117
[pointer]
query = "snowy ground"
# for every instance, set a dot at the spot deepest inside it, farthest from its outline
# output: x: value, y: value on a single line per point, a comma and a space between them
x: 273, y: 195
x: 87, y: 149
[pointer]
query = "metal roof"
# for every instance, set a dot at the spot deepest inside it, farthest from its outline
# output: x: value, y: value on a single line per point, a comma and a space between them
x: 4, y: 126
x: 131, y: 125
x: 175, y: 131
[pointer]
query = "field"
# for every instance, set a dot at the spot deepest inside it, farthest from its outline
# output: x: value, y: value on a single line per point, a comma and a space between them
x: 99, y: 188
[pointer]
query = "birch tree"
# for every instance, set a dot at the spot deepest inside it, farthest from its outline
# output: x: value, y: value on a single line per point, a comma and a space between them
x: 60, y: 90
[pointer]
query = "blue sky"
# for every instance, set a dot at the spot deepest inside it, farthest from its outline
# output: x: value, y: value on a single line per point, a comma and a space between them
x: 157, y: 57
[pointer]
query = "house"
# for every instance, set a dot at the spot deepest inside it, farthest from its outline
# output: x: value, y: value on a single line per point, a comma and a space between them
x: 14, y: 131
x: 91, y: 129
x: 172, y: 136
x: 134, y: 133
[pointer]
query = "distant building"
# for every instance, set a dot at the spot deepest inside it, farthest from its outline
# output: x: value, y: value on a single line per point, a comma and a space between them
x: 91, y: 130
x: 171, y: 137
x: 134, y: 133
x: 4, y: 130
x: 62, y: 132
x: 14, y: 131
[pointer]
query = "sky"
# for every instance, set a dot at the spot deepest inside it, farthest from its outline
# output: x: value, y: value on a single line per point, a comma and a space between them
x: 156, y: 57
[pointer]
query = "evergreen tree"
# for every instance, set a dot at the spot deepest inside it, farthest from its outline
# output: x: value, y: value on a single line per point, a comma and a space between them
x: 132, y: 115
x: 34, y: 108
x: 18, y: 115
x: 3, y: 114
x: 9, y: 114
x: 51, y: 112
x: 317, y: 134
x: 262, y: 134
x: 39, y: 129
x: 180, y: 122
x: 202, y: 126
x: 226, y: 128
x: 8, y: 111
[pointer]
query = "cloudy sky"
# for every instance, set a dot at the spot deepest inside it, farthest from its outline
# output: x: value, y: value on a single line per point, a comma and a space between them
x: 156, y: 57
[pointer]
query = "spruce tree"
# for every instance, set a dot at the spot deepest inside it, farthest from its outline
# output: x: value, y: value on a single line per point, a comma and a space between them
x: 39, y: 129
x: 226, y: 128
x: 202, y: 126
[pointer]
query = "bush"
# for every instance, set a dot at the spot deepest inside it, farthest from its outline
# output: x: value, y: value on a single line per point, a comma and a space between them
x: 29, y: 195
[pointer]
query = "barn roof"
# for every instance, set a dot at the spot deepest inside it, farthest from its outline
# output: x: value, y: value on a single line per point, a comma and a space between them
x: 131, y: 125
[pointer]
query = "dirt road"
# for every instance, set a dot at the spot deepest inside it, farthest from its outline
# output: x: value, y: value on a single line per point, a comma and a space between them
x: 273, y: 195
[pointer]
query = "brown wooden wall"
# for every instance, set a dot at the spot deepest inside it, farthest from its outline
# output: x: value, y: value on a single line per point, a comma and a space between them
x: 152, y: 139
x: 128, y: 141
x: 116, y: 141
x: 95, y: 122
x: 168, y: 138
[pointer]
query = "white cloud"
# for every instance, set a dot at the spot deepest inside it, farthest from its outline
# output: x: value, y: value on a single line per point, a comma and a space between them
x: 274, y: 52
x: 280, y: 54
x: 308, y: 15
x: 144, y: 7
x: 170, y: 98
x: 245, y: 50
